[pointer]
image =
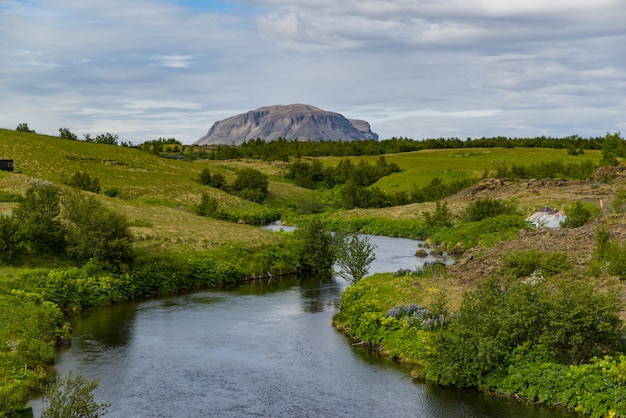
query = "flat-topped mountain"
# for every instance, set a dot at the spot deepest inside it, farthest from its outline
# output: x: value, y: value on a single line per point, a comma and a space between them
x: 296, y: 121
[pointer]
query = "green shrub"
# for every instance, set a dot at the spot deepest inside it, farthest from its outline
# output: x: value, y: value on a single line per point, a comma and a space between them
x: 83, y: 181
x: 568, y: 325
x: 579, y: 214
x: 441, y: 217
x: 111, y: 192
x: 39, y: 220
x: 486, y: 232
x: 251, y: 184
x: 524, y: 263
x: 96, y: 232
x: 205, y: 177
x: 486, y: 208
x: 208, y: 206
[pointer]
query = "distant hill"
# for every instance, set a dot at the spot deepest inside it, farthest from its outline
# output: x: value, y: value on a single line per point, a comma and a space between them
x: 296, y: 121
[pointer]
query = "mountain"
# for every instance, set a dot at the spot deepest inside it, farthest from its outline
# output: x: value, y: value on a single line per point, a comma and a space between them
x: 296, y: 121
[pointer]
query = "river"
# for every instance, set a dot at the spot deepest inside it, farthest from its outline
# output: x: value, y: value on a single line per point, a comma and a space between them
x: 260, y: 349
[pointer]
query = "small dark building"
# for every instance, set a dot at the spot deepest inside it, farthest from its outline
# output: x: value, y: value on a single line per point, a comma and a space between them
x: 6, y: 165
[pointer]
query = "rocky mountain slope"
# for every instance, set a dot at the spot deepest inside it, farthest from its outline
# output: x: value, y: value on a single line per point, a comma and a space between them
x: 296, y: 121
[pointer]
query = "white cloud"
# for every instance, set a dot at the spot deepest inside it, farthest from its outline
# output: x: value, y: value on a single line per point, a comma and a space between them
x: 420, y: 68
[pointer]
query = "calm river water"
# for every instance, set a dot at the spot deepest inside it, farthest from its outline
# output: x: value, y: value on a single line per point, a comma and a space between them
x: 261, y: 349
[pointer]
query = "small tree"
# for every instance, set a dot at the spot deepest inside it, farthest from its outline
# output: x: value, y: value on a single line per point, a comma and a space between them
x: 23, y: 127
x: 218, y: 181
x: 71, y: 397
x: 315, y: 247
x: 440, y: 218
x: 38, y: 218
x: 208, y: 206
x: 205, y: 177
x: 354, y: 256
x: 251, y: 184
x: 67, y: 134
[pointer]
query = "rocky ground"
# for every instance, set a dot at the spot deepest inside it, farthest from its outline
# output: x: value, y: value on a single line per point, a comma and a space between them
x: 579, y: 243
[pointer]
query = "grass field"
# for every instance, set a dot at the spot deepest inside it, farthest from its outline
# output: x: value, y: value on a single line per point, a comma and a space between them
x: 158, y: 195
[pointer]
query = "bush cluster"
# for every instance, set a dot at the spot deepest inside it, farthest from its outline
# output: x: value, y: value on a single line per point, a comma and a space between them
x: 83, y: 230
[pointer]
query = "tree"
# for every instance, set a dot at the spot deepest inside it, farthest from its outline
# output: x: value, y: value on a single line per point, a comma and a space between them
x: 23, y: 127
x: 205, y: 177
x: 612, y: 148
x: 251, y: 184
x: 316, y: 250
x: 38, y: 217
x: 440, y: 218
x: 106, y: 138
x: 96, y: 232
x: 67, y: 134
x: 71, y: 397
x: 354, y: 256
x: 208, y: 205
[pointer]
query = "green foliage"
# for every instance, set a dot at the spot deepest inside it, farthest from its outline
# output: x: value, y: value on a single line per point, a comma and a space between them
x: 9, y: 197
x: 84, y: 181
x: 281, y: 149
x: 487, y: 208
x: 613, y: 147
x: 502, y: 316
x: 579, y: 214
x: 11, y: 244
x: 595, y: 389
x: 251, y: 184
x: 611, y: 254
x: 205, y: 177
x: 38, y: 218
x: 309, y: 206
x: 354, y: 256
x: 486, y: 232
x: 365, y: 317
x: 441, y: 217
x: 65, y: 133
x: 110, y: 192
x: 603, y: 243
x: 208, y: 206
x: 619, y: 202
x: 524, y: 263
x: 96, y: 232
x: 23, y: 127
x: 544, y: 170
x: 362, y: 174
x: 71, y: 397
x: 106, y: 138
x: 316, y: 250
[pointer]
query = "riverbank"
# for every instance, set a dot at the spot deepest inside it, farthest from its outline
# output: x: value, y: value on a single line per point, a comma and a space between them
x: 456, y: 335
x: 36, y: 305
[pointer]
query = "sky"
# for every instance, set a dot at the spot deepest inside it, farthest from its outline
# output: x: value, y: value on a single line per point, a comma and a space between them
x: 147, y: 69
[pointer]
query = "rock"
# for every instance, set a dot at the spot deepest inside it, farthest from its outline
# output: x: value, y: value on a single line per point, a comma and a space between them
x: 436, y: 252
x: 296, y: 121
x: 421, y: 253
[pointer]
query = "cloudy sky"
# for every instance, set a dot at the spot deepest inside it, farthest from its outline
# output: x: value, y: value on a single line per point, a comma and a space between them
x: 145, y: 69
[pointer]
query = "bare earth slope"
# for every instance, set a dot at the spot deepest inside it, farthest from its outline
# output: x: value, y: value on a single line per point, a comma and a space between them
x: 297, y: 121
